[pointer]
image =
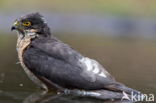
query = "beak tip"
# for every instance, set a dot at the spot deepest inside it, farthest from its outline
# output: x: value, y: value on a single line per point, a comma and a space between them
x: 13, y: 28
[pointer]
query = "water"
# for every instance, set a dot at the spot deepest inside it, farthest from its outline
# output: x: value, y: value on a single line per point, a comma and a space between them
x: 130, y: 61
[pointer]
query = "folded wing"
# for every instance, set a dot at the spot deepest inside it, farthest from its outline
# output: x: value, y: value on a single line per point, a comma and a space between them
x: 64, y: 66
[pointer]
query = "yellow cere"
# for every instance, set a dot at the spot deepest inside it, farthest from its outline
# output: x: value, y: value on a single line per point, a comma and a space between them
x: 16, y: 23
x: 27, y: 23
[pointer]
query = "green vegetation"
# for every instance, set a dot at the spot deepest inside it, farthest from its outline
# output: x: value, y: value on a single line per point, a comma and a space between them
x: 124, y: 7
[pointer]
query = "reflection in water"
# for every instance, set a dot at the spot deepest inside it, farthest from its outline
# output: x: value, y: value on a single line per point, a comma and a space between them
x: 12, y: 96
x: 40, y: 96
x: 44, y: 97
x: 2, y: 76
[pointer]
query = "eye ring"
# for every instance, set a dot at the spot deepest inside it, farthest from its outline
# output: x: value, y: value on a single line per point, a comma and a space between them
x: 27, y: 23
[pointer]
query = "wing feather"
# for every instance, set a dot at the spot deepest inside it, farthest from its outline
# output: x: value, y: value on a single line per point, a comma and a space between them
x: 64, y: 66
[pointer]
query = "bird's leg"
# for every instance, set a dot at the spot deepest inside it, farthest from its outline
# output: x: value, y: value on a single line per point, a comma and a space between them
x: 80, y: 92
x: 98, y: 94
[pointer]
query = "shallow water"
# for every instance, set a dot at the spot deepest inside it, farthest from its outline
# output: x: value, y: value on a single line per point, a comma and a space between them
x: 130, y: 61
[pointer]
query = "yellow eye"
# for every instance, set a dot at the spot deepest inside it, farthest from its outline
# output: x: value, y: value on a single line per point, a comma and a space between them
x: 28, y: 23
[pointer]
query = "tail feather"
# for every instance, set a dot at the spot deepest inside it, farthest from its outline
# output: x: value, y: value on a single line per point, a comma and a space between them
x: 121, y: 88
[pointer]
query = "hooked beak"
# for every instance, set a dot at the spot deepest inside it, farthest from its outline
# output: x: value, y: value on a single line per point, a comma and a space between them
x: 15, y: 26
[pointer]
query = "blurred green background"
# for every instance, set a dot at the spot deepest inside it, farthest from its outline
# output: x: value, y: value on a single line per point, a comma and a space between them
x: 120, y: 34
x: 129, y: 7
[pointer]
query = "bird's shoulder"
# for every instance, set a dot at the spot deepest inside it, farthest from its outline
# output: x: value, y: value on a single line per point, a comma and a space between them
x: 56, y: 49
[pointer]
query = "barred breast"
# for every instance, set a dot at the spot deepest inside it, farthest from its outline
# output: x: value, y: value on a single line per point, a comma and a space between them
x: 22, y: 45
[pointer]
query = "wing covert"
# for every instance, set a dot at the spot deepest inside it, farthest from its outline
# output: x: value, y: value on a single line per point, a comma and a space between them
x: 64, y: 66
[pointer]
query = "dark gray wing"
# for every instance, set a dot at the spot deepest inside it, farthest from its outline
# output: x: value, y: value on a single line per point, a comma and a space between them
x: 64, y: 66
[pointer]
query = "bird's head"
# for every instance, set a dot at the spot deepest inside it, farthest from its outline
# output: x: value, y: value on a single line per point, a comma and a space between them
x: 31, y: 25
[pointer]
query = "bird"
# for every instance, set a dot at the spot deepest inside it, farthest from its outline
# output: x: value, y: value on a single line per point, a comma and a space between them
x: 53, y: 64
